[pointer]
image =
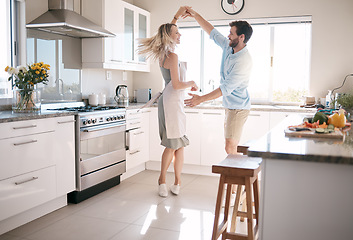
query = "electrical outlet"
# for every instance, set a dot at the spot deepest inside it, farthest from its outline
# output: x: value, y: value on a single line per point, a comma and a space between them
x: 108, y: 75
x: 124, y: 76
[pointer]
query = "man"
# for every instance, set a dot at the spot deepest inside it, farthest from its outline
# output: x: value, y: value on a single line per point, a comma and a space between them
x: 235, y: 73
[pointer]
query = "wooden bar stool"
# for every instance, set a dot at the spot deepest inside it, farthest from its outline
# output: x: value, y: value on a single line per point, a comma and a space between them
x: 240, y: 170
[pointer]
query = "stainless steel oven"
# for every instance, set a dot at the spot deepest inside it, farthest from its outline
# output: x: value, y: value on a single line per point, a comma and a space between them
x: 100, y: 146
x: 100, y: 151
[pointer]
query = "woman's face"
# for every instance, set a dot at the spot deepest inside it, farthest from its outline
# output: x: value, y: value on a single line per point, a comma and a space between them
x: 175, y: 35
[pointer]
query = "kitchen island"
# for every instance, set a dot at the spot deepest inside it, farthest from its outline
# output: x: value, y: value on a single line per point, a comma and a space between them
x: 306, y: 185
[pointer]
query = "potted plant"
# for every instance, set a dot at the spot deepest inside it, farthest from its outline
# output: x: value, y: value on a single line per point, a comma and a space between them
x: 26, y: 97
x: 346, y: 102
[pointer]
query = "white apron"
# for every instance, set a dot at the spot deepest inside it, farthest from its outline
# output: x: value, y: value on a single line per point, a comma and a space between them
x: 173, y: 103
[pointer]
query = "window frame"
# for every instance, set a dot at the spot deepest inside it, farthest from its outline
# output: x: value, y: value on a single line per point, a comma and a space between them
x: 14, y: 8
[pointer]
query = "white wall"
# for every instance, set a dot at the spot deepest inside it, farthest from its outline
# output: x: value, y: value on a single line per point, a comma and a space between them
x: 332, y: 34
x: 94, y: 81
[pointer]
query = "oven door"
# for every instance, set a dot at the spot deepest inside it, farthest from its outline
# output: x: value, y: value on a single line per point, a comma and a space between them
x: 102, y: 153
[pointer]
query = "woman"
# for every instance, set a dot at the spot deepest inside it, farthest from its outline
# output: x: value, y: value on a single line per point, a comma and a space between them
x: 171, y: 115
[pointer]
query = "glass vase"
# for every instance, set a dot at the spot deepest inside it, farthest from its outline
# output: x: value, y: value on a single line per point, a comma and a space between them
x: 26, y: 100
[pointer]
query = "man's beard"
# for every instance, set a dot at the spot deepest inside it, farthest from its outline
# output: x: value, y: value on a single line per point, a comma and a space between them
x: 233, y: 43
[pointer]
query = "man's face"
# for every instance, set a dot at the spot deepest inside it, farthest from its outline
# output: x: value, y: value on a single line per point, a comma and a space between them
x: 233, y: 37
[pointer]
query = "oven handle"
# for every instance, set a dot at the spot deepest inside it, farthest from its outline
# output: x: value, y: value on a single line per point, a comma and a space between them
x: 98, y: 128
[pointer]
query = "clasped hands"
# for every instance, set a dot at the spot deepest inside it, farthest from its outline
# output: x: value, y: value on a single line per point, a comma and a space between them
x: 185, y: 11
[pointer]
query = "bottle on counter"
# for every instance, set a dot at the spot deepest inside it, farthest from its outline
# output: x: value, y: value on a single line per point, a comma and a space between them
x: 328, y: 99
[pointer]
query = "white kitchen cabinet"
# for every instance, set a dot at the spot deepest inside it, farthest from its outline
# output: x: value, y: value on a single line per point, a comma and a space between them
x: 257, y: 125
x: 65, y: 154
x: 128, y: 23
x: 193, y: 132
x: 212, y: 136
x: 37, y: 168
x: 20, y: 193
x: 137, y: 137
x: 277, y: 117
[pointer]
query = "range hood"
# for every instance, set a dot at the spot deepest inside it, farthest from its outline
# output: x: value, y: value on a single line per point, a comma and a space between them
x: 61, y: 19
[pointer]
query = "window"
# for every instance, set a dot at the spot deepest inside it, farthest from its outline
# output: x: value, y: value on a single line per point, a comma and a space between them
x: 5, y: 48
x: 63, y: 55
x: 280, y: 49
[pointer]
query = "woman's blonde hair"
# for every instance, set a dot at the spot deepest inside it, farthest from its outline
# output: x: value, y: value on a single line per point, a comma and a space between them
x: 159, y: 45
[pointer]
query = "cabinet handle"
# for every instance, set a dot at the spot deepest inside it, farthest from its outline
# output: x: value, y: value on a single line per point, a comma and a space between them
x: 192, y: 112
x: 30, y: 126
x: 28, y: 180
x: 255, y: 115
x: 22, y: 143
x: 133, y: 113
x: 134, y: 123
x: 135, y: 152
x: 70, y: 121
x: 138, y: 133
x: 212, y: 113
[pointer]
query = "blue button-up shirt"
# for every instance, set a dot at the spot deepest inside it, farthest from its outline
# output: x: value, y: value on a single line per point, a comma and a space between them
x: 235, y: 73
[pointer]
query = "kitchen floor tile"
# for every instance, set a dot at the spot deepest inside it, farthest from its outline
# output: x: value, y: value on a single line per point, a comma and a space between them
x: 9, y: 237
x: 176, y: 218
x: 142, y: 192
x: 77, y: 227
x: 133, y: 210
x: 193, y: 199
x: 137, y: 232
x: 114, y: 209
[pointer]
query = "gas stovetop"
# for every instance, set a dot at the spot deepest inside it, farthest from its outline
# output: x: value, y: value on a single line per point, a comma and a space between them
x: 89, y: 116
x: 87, y: 108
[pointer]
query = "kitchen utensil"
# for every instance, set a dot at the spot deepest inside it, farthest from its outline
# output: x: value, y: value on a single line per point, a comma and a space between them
x: 122, y: 96
x: 93, y: 99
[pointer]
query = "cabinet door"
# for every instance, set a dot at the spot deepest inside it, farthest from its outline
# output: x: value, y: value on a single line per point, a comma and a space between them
x: 212, y: 137
x: 129, y: 35
x: 26, y: 153
x: 193, y: 132
x: 23, y: 192
x: 142, y: 32
x: 65, y: 154
x: 156, y: 149
x: 257, y: 125
x: 113, y: 22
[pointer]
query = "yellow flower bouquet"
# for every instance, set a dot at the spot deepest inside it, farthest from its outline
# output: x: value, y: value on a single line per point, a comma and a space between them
x: 26, y: 97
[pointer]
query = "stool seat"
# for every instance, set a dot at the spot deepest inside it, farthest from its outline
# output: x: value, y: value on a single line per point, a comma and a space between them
x: 239, y: 170
x: 239, y: 165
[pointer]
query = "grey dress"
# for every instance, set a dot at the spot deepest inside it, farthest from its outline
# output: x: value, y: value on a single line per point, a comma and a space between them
x: 173, y: 143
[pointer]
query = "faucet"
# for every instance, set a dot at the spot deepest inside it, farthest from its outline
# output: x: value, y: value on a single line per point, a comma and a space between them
x: 60, y: 91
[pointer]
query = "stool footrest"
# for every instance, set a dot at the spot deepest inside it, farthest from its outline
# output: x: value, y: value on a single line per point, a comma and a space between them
x: 244, y: 214
x: 235, y: 236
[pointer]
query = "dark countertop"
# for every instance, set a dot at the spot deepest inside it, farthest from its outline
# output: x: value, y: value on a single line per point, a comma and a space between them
x: 275, y: 145
x: 8, y: 116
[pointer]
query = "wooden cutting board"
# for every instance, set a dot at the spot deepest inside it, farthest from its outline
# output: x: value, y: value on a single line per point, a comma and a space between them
x: 312, y: 134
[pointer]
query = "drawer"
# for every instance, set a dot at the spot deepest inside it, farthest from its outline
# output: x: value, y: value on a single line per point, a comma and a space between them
x: 133, y: 119
x: 132, y: 114
x: 22, y: 128
x: 135, y: 139
x: 26, y: 191
x: 24, y: 154
x: 134, y: 159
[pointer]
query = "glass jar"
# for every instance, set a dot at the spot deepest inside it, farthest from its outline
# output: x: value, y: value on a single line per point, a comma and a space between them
x: 26, y: 100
